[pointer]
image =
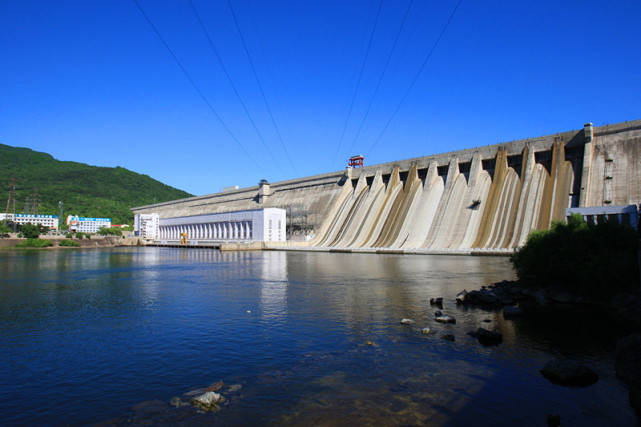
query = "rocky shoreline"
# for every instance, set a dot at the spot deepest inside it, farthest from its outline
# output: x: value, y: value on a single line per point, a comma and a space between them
x: 620, y: 313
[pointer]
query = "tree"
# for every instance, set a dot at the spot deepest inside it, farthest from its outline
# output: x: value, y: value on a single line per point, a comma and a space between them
x: 104, y: 231
x: 30, y: 231
x: 6, y: 227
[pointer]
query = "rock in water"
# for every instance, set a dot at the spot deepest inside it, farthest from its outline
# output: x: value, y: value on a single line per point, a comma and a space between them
x: 234, y: 388
x: 426, y: 331
x: 149, y: 408
x: 437, y: 302
x: 406, y: 321
x: 448, y: 337
x: 569, y: 373
x: 195, y: 392
x: 444, y: 318
x: 486, y: 337
x: 215, y: 386
x: 207, y: 401
x: 460, y: 297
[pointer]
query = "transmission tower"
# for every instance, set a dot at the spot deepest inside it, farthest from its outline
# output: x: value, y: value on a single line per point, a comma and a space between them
x: 35, y: 200
x: 11, y: 201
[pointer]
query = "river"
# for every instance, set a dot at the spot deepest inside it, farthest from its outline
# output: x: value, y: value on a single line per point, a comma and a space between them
x: 312, y: 338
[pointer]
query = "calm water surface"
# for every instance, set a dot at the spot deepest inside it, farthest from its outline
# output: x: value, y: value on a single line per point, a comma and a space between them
x: 87, y: 335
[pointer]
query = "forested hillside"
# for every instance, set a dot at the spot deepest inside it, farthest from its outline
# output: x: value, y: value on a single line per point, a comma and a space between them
x: 85, y: 190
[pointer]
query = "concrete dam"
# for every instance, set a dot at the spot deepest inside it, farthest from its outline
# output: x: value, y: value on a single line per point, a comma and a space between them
x: 484, y: 199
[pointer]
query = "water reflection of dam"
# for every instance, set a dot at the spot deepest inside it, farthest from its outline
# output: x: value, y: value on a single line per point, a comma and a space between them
x: 482, y: 198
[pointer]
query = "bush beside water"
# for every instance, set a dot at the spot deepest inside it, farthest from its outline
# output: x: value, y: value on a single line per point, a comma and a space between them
x: 587, y: 259
x: 104, y: 231
x: 35, y: 243
x: 69, y: 243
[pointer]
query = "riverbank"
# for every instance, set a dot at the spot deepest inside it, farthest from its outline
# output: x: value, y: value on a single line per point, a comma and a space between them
x: 94, y: 242
x: 619, y: 316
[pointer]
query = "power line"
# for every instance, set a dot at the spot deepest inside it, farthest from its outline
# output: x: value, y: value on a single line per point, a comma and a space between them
x: 380, y: 79
x: 231, y: 82
x: 193, y: 83
x: 416, y: 76
x: 260, y: 86
x: 358, y: 82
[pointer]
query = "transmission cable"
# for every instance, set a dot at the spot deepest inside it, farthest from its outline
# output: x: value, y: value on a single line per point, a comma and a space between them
x: 193, y: 83
x: 260, y: 86
x: 231, y: 82
x: 416, y: 77
x: 358, y: 81
x: 380, y: 79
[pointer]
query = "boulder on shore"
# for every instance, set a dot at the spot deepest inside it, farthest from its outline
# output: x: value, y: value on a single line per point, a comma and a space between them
x: 486, y: 337
x: 569, y: 373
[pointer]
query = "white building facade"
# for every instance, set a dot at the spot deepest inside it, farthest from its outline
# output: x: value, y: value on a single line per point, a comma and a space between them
x: 256, y: 225
x: 87, y: 225
x: 146, y: 226
x: 50, y: 221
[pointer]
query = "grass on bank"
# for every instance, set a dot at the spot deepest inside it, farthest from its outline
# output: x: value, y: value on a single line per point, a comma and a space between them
x: 70, y: 243
x: 594, y: 260
x: 35, y: 243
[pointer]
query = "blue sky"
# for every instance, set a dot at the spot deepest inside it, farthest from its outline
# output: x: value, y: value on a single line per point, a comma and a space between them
x: 91, y: 82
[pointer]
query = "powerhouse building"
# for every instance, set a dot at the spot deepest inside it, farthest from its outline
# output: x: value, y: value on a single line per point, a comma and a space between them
x: 253, y: 225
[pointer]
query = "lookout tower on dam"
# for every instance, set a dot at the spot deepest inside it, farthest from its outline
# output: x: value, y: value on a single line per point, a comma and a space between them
x: 480, y: 199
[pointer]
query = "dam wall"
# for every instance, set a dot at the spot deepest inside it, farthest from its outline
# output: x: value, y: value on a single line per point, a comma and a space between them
x: 483, y: 198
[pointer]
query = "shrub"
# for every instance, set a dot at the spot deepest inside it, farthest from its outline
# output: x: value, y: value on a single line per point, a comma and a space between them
x: 35, y: 243
x: 30, y: 231
x: 5, y: 227
x: 104, y: 231
x: 68, y: 243
x: 587, y: 259
x: 69, y: 235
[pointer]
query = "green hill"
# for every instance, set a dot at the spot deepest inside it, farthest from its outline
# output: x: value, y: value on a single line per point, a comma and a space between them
x: 90, y: 191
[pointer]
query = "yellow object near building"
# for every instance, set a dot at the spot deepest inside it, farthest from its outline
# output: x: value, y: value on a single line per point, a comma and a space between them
x: 183, y: 239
